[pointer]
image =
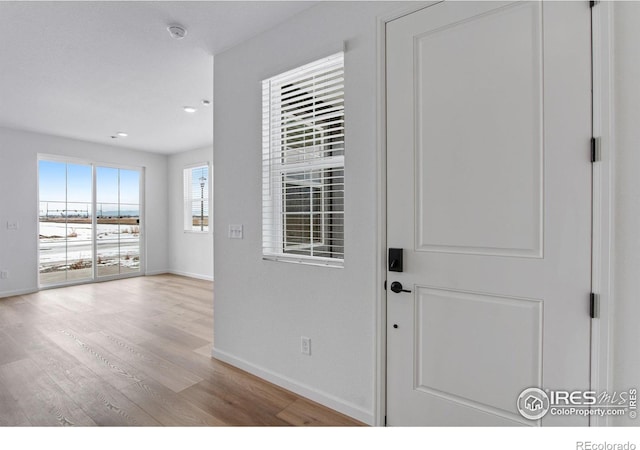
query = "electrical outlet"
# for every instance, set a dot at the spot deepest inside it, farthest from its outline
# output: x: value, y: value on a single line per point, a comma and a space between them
x: 12, y: 225
x: 4, y: 274
x: 305, y: 345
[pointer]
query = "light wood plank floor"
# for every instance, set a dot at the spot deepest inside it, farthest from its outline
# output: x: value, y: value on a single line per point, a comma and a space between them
x: 131, y: 352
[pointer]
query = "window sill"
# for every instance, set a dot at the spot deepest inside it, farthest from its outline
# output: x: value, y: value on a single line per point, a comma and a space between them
x: 310, y: 261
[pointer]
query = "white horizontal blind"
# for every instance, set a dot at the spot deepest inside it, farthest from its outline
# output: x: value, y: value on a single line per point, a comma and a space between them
x: 303, y: 164
x: 196, y: 198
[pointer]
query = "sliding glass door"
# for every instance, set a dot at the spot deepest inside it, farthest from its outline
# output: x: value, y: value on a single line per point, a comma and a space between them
x: 90, y: 222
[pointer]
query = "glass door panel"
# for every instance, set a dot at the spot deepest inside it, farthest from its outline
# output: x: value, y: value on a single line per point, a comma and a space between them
x: 65, y: 222
x: 118, y: 221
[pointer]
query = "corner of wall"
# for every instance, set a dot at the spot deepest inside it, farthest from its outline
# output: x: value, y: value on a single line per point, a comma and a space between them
x: 302, y: 389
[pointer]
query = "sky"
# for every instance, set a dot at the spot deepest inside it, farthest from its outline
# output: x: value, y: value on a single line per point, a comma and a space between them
x: 59, y: 181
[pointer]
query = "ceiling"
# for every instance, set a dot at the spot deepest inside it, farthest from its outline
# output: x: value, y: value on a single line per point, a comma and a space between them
x: 87, y: 70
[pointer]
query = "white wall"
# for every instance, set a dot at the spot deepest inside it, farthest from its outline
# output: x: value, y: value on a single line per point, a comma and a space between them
x: 626, y: 258
x: 18, y: 200
x: 263, y: 307
x: 190, y: 254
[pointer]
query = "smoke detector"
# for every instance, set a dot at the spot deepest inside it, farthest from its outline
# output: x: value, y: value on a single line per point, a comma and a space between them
x: 177, y: 32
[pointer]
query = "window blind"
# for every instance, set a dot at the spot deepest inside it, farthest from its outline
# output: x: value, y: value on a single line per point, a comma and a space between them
x: 303, y: 164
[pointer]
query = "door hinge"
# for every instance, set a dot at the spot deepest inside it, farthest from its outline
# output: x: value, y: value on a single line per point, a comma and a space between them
x: 385, y: 285
x: 385, y: 421
x: 593, y: 3
x: 595, y: 149
x: 594, y: 305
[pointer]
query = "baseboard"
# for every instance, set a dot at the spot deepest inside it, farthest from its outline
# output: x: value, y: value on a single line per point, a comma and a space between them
x: 191, y: 275
x: 18, y: 292
x: 150, y: 273
x: 323, y: 398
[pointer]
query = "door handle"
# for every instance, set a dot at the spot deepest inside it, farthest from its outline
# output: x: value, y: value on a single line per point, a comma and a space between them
x: 396, y: 287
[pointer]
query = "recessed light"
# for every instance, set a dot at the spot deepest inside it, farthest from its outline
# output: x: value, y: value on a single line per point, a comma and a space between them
x: 122, y: 134
x: 189, y: 109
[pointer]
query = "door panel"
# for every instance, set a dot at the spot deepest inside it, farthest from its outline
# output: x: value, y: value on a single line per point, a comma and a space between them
x: 493, y: 86
x: 465, y: 324
x: 118, y: 219
x: 65, y: 235
x: 489, y: 182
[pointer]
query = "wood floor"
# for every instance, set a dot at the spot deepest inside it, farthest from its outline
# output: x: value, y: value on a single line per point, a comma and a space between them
x: 133, y: 352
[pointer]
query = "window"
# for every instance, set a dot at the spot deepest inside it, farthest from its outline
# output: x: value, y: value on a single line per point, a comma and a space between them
x: 303, y: 164
x: 196, y: 198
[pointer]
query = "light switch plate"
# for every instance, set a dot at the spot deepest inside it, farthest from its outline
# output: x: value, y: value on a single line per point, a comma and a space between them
x: 235, y: 232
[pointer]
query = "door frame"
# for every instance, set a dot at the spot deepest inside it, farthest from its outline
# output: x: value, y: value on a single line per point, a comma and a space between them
x: 602, y: 198
x: 602, y: 205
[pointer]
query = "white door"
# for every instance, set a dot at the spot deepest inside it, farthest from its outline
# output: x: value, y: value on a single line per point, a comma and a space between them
x: 489, y: 195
